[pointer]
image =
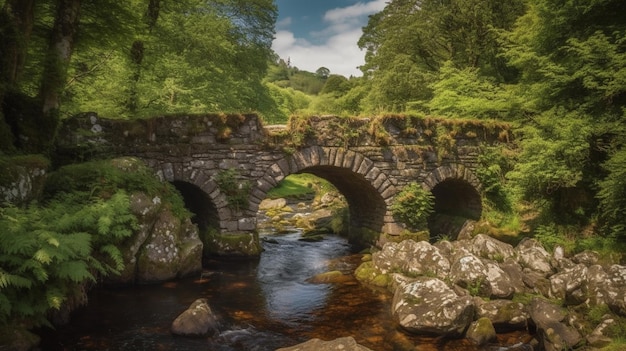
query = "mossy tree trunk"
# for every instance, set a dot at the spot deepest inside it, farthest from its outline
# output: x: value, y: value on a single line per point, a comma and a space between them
x: 60, y: 48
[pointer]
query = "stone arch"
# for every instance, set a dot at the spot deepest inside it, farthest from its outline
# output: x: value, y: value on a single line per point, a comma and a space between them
x: 199, y: 191
x: 366, y: 188
x: 457, y: 198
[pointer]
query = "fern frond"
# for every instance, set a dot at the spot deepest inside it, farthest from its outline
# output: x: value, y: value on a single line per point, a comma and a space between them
x: 13, y: 280
x: 115, y: 254
x: 75, y: 271
x: 43, y: 256
x: 55, y: 298
x: 104, y: 225
x: 5, y: 308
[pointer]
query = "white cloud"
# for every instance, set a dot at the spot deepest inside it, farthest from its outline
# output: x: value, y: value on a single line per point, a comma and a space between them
x: 357, y: 10
x: 338, y: 50
x: 284, y: 23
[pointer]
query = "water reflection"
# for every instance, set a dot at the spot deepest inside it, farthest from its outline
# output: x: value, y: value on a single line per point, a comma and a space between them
x: 283, y: 269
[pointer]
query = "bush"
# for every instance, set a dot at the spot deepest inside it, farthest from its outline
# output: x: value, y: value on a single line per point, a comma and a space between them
x: 46, y: 254
x: 413, y: 205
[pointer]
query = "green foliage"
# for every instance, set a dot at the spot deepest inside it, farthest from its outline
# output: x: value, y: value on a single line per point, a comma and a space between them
x: 105, y: 177
x: 413, y: 205
x: 612, y: 195
x: 234, y: 189
x: 494, y: 163
x: 45, y: 253
x: 465, y: 93
x: 553, y: 156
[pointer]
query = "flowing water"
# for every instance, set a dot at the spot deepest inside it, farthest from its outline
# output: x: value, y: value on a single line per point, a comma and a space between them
x: 262, y: 305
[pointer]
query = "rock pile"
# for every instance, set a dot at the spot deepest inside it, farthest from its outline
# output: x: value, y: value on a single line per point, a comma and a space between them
x: 480, y: 286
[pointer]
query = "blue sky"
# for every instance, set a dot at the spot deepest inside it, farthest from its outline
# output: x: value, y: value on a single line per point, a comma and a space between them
x: 323, y: 33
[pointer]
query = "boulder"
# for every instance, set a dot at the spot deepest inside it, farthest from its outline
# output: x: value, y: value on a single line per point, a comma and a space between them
x: 412, y: 258
x: 566, y: 285
x: 269, y: 204
x: 343, y: 344
x: 505, y: 315
x: 500, y: 282
x: 487, y: 247
x: 516, y: 275
x: 597, y: 285
x: 617, y: 289
x: 197, y: 320
x: 588, y: 258
x: 553, y: 334
x: 470, y: 273
x: 481, y: 331
x: 163, y: 246
x: 598, y: 338
x: 533, y: 256
x: 428, y: 306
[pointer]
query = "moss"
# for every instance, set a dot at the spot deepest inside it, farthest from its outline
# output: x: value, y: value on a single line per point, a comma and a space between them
x: 13, y: 166
x: 368, y: 274
x: 245, y: 244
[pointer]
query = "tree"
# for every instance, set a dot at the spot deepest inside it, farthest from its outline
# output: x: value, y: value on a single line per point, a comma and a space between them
x: 322, y: 72
x: 571, y: 57
x: 416, y: 37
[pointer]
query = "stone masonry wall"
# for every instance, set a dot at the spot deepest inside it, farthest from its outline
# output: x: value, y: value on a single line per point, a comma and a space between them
x: 368, y: 160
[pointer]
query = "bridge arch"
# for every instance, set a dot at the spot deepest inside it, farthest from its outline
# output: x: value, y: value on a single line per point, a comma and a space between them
x: 201, y: 194
x: 365, y: 187
x: 457, y: 195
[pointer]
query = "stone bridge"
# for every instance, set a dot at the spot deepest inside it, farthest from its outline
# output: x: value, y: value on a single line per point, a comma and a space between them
x: 369, y: 160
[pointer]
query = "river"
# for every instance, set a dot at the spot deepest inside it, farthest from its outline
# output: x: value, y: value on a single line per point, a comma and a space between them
x: 263, y: 305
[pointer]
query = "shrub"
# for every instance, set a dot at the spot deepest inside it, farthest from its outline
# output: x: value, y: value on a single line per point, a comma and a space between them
x: 413, y: 205
x: 46, y: 254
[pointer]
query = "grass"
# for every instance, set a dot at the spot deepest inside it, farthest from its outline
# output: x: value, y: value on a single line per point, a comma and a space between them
x: 299, y: 186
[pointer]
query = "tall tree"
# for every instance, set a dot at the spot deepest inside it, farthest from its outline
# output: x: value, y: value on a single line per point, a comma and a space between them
x: 408, y: 42
x: 572, y: 59
x: 60, y: 49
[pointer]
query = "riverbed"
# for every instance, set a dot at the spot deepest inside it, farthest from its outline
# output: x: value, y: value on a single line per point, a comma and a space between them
x: 263, y: 305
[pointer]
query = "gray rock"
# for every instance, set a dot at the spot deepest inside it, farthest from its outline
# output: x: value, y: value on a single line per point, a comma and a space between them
x: 481, y: 331
x: 588, y: 258
x: 553, y: 334
x: 505, y: 315
x: 514, y: 271
x: 487, y: 247
x: 597, y: 338
x: 500, y: 282
x: 565, y: 283
x: 617, y: 289
x: 470, y: 273
x: 533, y: 256
x: 428, y: 306
x: 342, y: 344
x: 197, y: 320
x: 412, y: 258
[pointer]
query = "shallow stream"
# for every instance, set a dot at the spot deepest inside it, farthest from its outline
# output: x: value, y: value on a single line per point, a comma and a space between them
x: 263, y: 305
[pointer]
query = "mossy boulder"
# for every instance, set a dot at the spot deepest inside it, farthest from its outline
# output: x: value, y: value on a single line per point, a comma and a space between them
x: 22, y: 178
x: 481, y: 331
x: 240, y: 244
x: 369, y: 274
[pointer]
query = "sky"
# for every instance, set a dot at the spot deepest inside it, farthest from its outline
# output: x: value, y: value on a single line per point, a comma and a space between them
x: 323, y: 33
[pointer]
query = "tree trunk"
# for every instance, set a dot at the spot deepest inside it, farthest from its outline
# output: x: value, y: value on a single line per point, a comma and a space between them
x: 137, y: 55
x: 18, y: 16
x: 60, y: 49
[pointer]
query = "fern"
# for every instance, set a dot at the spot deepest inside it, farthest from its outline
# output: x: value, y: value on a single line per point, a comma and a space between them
x: 76, y: 271
x: 114, y: 254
